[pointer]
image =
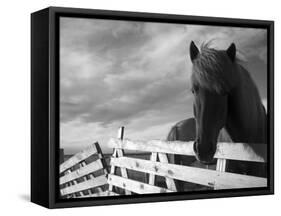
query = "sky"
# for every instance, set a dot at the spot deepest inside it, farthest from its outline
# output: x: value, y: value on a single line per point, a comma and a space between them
x: 137, y: 75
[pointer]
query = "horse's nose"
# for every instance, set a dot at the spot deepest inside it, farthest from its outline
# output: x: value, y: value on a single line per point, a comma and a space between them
x: 204, y: 155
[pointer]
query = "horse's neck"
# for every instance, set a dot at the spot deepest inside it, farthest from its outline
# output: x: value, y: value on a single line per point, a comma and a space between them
x: 246, y: 117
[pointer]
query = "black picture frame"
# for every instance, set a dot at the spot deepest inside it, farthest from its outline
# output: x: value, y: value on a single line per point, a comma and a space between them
x: 45, y: 102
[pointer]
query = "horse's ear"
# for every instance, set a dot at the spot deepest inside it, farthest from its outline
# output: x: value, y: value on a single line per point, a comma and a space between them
x: 231, y: 51
x: 193, y: 51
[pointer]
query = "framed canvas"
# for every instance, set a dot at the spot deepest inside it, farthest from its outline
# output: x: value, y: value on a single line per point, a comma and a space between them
x: 139, y: 107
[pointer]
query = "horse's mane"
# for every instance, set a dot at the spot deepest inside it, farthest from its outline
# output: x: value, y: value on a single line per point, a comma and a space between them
x: 214, y: 70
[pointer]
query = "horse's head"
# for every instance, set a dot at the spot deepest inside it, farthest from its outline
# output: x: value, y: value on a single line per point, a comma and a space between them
x: 213, y: 78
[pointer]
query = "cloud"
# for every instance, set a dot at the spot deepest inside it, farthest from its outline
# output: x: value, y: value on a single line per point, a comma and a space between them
x: 136, y: 74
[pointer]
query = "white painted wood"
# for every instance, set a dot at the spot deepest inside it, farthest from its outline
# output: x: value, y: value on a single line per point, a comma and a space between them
x: 211, y: 178
x: 120, y: 134
x: 99, y: 194
x: 169, y: 181
x: 173, y: 147
x: 233, y: 151
x: 124, y: 173
x: 151, y: 180
x: 120, y: 153
x: 69, y: 184
x: 78, y: 157
x: 241, y: 151
x: 85, y: 178
x: 91, y: 183
x: 112, y: 169
x: 85, y: 170
x: 135, y: 186
x: 221, y: 165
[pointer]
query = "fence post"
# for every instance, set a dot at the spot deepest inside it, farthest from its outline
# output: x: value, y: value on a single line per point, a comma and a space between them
x: 121, y: 133
x: 221, y: 167
x: 151, y: 179
x: 120, y: 153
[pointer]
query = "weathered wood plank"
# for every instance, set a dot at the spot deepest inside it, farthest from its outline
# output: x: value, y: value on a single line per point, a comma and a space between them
x: 86, y: 177
x: 69, y: 184
x: 102, y: 158
x: 153, y: 157
x: 172, y: 147
x: 112, y: 170
x: 221, y: 165
x: 77, y: 158
x: 226, y: 180
x: 85, y: 170
x: 233, y: 151
x: 169, y: 181
x: 241, y: 151
x: 91, y: 183
x: 211, y: 178
x: 120, y: 134
x: 120, y: 153
x: 103, y: 193
x: 135, y: 186
x: 124, y: 173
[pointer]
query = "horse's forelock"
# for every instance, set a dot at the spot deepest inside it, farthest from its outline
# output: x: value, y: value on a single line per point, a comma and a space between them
x: 213, y: 70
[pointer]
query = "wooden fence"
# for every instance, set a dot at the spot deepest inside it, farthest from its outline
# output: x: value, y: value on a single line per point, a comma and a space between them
x: 158, y: 165
x: 84, y: 174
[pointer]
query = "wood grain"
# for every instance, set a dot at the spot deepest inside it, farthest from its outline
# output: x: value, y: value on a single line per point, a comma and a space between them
x: 211, y: 178
x: 233, y: 151
x: 135, y: 186
x: 85, y: 170
x: 77, y: 158
x: 91, y: 183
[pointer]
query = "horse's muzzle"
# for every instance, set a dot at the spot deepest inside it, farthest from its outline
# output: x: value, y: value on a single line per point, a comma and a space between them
x: 204, y: 154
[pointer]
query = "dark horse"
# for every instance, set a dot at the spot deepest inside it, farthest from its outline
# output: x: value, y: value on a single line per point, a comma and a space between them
x: 225, y: 97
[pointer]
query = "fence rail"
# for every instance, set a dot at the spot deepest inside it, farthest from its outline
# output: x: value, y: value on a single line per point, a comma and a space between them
x: 211, y: 178
x: 158, y: 165
x: 231, y: 151
x: 84, y: 174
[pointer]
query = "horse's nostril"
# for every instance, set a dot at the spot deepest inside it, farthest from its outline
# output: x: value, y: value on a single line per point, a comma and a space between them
x: 204, y: 155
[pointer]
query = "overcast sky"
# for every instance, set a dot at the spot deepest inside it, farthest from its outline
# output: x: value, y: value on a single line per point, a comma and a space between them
x: 136, y: 74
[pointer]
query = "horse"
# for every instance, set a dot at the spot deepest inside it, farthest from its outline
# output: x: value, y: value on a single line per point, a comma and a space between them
x: 185, y: 130
x: 225, y: 98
